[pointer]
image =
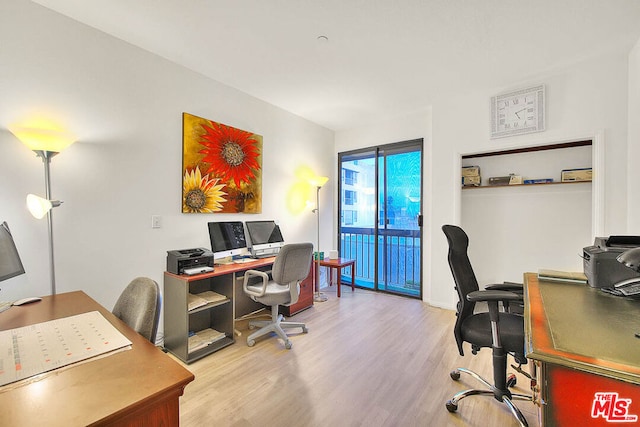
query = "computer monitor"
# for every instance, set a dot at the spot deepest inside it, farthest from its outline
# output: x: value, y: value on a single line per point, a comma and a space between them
x: 227, y: 239
x: 265, y: 238
x: 10, y: 264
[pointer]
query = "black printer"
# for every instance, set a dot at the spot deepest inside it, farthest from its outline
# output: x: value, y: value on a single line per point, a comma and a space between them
x: 189, y: 261
x: 600, y: 264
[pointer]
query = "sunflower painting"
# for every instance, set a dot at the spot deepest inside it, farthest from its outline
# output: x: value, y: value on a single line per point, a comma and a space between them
x: 221, y: 168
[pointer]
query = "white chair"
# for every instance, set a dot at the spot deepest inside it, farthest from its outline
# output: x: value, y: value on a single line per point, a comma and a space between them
x: 289, y: 268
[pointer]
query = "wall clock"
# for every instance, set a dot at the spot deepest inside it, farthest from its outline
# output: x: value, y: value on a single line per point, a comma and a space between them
x: 518, y: 112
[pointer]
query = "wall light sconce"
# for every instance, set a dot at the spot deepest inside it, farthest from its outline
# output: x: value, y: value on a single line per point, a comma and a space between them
x: 46, y: 142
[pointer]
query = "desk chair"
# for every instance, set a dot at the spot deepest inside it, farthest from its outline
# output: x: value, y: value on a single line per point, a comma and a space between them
x: 502, y: 331
x: 139, y: 307
x: 289, y: 268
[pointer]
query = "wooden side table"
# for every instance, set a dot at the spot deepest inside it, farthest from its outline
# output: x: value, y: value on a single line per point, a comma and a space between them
x: 338, y: 264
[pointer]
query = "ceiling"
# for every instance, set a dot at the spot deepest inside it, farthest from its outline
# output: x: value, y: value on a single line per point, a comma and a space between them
x: 382, y: 58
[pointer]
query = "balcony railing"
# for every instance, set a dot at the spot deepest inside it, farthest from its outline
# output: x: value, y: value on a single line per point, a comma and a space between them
x: 398, y: 259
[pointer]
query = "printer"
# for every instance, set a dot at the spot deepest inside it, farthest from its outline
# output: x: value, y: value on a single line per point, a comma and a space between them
x: 189, y: 261
x: 600, y: 264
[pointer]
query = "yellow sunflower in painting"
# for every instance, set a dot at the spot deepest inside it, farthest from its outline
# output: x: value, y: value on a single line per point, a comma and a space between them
x: 201, y: 194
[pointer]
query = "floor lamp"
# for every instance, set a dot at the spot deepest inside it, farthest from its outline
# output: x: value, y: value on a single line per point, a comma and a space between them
x: 46, y: 143
x: 318, y: 182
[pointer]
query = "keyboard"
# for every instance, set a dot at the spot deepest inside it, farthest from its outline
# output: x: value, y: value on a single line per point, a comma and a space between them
x: 612, y: 291
x: 5, y: 305
x: 630, y: 290
x: 626, y: 291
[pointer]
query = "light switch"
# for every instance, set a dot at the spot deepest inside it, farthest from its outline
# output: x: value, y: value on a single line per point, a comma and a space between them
x: 156, y: 221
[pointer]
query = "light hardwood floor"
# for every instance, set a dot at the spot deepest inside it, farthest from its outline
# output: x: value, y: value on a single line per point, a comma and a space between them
x: 368, y: 360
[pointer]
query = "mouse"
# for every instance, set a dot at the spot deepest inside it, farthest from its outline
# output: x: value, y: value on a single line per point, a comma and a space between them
x: 26, y: 300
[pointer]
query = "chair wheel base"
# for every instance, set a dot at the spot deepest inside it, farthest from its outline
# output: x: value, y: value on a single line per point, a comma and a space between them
x: 451, y: 407
x: 455, y: 375
x: 251, y: 343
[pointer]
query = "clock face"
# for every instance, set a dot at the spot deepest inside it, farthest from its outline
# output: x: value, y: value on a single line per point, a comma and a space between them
x: 518, y: 112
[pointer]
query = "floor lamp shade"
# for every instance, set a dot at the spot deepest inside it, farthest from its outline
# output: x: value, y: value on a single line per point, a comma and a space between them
x: 39, y: 206
x: 49, y: 139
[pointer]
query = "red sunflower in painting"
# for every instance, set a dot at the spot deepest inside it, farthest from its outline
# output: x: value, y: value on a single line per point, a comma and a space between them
x: 232, y: 154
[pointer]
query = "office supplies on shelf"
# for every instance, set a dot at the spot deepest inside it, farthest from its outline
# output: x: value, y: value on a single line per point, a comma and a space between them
x: 539, y: 181
x: 34, y: 349
x: 203, y: 298
x: 575, y: 175
x: 203, y: 338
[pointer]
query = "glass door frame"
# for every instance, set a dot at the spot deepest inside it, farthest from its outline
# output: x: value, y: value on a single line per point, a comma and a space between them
x: 378, y: 153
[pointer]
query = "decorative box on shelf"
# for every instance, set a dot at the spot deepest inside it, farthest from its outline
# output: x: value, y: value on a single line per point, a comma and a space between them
x: 510, y: 179
x: 573, y: 175
x: 471, y: 176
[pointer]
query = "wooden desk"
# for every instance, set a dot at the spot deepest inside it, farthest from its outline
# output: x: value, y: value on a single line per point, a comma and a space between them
x: 585, y: 356
x: 140, y: 386
x: 338, y: 264
x: 226, y: 280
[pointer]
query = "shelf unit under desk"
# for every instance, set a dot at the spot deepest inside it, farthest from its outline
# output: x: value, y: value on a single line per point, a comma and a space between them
x: 221, y: 316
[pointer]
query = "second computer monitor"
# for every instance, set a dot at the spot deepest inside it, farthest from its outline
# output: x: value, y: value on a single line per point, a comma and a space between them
x: 265, y: 238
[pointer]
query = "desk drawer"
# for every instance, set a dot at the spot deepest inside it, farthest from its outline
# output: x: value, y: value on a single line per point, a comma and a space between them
x: 305, y: 300
x: 576, y: 398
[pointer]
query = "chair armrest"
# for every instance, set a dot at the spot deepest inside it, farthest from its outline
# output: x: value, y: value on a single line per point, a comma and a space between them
x: 255, y: 273
x: 493, y: 295
x: 506, y: 286
x: 492, y: 298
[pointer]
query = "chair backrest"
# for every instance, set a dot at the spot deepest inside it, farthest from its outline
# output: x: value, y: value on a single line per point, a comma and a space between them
x: 139, y: 307
x: 463, y: 275
x: 291, y: 266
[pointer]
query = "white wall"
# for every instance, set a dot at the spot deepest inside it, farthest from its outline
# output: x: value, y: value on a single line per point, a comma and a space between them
x: 633, y: 192
x: 125, y: 105
x: 585, y: 99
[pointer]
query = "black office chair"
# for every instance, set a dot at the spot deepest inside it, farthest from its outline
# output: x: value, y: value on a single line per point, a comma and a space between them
x: 502, y: 331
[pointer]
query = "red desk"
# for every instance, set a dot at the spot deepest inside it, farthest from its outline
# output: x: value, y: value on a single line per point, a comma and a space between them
x: 586, y: 358
x: 338, y: 264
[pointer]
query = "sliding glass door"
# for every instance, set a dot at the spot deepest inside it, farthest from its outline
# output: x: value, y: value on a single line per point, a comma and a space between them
x: 381, y: 216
